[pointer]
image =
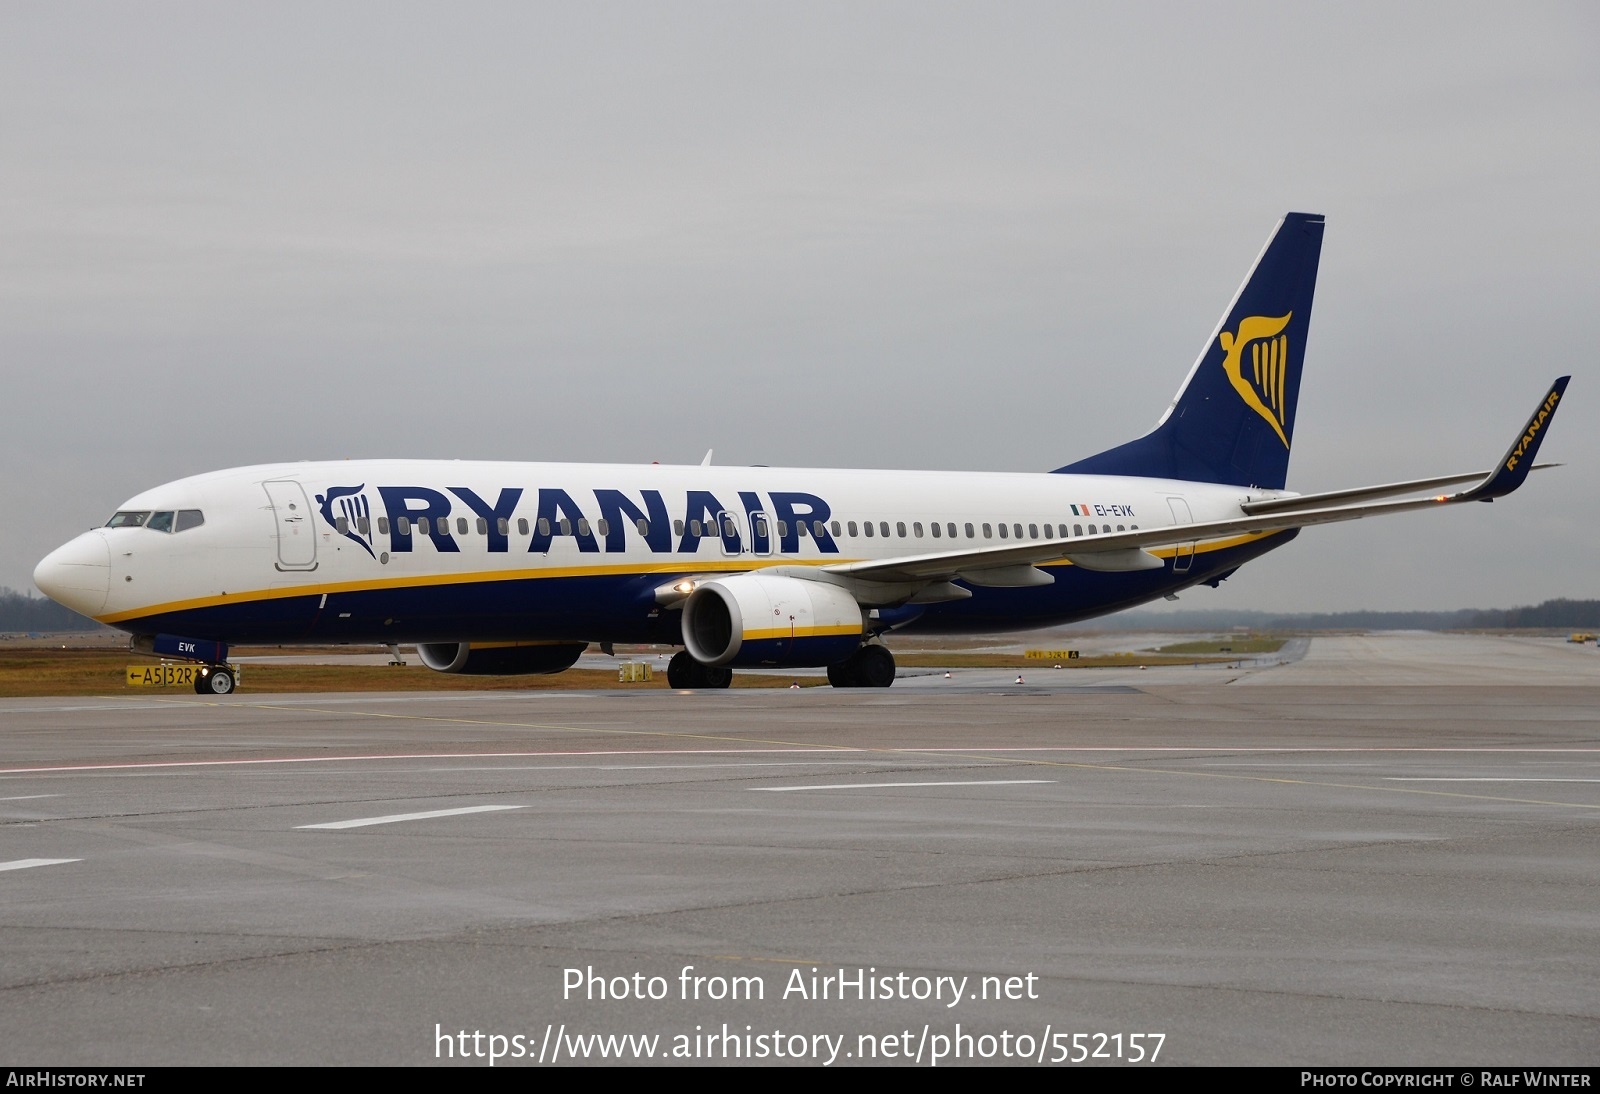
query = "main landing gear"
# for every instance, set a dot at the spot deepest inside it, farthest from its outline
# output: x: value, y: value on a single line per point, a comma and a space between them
x: 214, y: 680
x: 871, y: 666
x: 684, y: 671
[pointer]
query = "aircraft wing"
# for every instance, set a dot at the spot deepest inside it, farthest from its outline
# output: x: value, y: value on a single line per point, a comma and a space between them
x: 1368, y: 493
x: 1123, y: 551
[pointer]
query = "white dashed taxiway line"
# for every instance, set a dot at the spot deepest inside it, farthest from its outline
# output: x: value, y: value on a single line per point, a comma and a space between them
x: 396, y: 818
x: 30, y: 863
x: 886, y: 786
x: 1476, y: 779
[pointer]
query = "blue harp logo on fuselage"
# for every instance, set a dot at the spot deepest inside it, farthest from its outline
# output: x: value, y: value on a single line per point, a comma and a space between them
x: 1264, y: 388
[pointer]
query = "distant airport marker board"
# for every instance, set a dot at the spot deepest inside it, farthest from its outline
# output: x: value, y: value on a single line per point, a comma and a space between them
x: 167, y: 676
x: 1051, y: 655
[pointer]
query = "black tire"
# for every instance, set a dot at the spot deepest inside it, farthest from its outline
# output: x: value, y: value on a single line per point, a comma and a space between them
x: 683, y: 671
x: 202, y: 686
x: 874, y: 666
x: 842, y: 675
x: 718, y: 677
x: 218, y: 682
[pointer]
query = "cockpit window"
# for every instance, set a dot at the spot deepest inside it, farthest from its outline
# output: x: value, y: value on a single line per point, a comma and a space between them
x: 127, y: 519
x: 189, y: 518
x: 161, y: 522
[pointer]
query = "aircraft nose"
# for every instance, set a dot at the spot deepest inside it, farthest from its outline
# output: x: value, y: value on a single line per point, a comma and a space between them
x: 77, y: 574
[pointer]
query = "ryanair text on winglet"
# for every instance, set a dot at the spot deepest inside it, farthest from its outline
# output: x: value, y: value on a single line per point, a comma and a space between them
x: 1533, y: 429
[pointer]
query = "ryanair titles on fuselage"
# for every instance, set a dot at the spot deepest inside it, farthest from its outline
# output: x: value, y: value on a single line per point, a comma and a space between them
x: 762, y: 524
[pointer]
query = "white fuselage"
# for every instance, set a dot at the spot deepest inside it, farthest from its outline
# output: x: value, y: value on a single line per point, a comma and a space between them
x: 338, y: 551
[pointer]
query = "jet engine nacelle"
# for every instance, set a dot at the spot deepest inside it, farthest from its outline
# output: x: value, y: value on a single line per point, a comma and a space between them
x: 752, y: 619
x: 501, y: 658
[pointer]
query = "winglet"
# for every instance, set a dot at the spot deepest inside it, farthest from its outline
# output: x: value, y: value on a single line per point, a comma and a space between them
x: 1518, y: 460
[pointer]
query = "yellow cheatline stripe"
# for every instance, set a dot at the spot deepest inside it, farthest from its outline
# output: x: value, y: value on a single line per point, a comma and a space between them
x: 637, y: 569
x: 801, y: 632
x: 415, y: 581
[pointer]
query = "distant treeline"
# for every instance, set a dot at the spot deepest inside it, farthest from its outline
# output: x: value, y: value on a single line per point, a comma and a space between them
x: 35, y: 613
x: 1552, y: 613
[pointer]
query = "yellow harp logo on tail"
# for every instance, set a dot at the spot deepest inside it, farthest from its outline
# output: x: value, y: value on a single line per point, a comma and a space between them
x: 1263, y: 390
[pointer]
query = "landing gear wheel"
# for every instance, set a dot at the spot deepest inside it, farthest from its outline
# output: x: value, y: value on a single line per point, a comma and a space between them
x: 682, y: 671
x: 218, y: 681
x: 871, y: 666
x: 874, y: 666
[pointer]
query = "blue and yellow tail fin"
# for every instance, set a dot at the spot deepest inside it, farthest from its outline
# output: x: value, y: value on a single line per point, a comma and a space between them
x: 1233, y: 419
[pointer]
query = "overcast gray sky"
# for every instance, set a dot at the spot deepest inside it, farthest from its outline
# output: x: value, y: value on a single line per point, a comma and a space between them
x: 968, y: 236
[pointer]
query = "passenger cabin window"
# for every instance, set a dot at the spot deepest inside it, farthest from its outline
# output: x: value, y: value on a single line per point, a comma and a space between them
x: 1077, y: 529
x: 603, y: 526
x: 522, y: 526
x: 1017, y: 528
x: 866, y: 529
x: 933, y: 527
x: 836, y: 530
x: 128, y: 519
x: 566, y: 526
x: 800, y: 529
x: 1002, y: 531
x: 1033, y: 531
x: 783, y: 528
x: 988, y: 533
x: 404, y: 525
x: 461, y: 526
x: 503, y: 526
x: 1063, y: 531
x: 363, y: 524
x: 583, y: 526
x: 883, y: 528
x: 916, y: 529
x: 851, y: 525
x: 951, y: 528
x: 383, y: 526
x: 1049, y: 533
x: 642, y: 526
x: 342, y: 525
x: 544, y: 526
x: 970, y: 533
x: 900, y: 526
x: 818, y: 530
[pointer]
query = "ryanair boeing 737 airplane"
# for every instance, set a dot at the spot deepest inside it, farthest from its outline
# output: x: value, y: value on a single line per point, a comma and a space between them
x: 511, y: 568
